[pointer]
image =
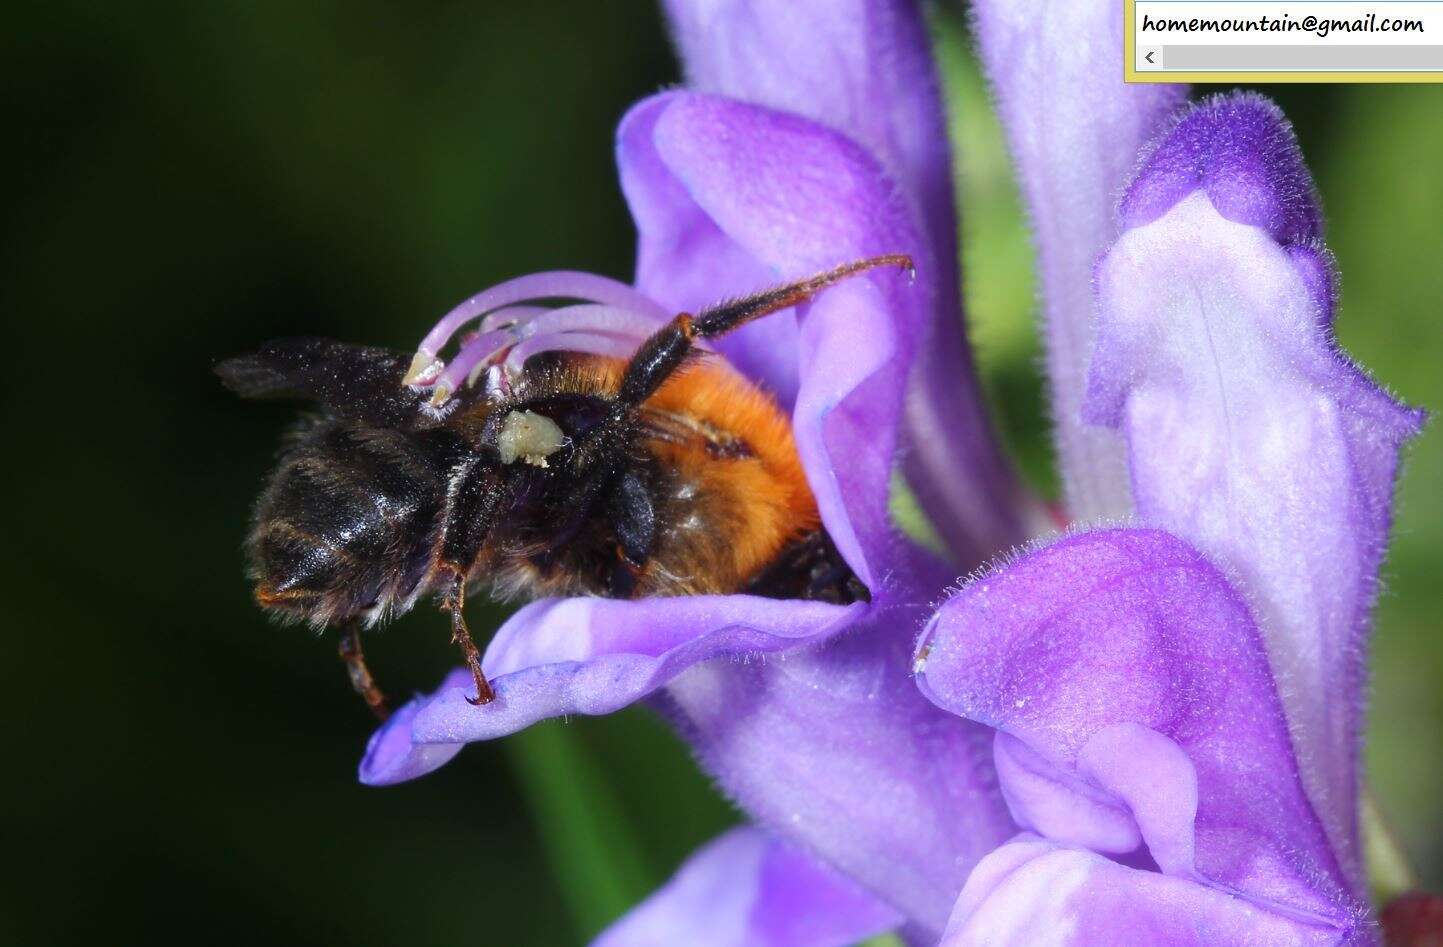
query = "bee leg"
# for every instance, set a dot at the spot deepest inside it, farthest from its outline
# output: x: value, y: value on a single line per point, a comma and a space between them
x: 475, y: 493
x: 454, y: 601
x: 359, y: 673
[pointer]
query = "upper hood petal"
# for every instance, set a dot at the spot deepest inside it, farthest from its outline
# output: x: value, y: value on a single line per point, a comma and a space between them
x: 862, y: 67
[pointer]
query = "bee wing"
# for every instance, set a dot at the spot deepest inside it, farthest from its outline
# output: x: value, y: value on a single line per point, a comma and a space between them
x: 351, y: 381
x: 668, y: 427
x: 664, y: 426
x: 674, y: 428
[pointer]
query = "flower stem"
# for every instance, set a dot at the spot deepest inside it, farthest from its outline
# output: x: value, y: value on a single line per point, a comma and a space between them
x: 598, y: 865
x: 1388, y: 869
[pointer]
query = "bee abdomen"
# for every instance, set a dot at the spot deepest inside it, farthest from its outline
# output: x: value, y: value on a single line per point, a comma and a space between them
x: 347, y: 523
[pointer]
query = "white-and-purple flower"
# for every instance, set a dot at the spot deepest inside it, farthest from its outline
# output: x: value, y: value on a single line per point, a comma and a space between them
x: 1146, y: 728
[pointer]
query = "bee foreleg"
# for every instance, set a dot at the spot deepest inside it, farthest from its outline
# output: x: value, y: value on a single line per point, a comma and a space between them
x: 454, y: 601
x: 359, y: 673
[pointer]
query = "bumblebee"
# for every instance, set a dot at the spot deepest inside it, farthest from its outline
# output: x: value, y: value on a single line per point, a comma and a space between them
x: 664, y: 473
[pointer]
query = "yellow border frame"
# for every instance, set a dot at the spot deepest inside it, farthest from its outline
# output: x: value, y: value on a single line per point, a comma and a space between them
x: 1130, y: 73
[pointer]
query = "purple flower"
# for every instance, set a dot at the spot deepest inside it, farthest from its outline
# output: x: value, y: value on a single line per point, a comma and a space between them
x: 1149, y: 728
x: 1177, y: 704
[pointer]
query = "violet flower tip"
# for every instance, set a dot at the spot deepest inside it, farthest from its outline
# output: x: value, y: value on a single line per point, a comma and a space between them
x: 424, y: 368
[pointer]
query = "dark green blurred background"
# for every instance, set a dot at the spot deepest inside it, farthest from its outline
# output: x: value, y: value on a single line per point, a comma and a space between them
x: 185, y: 180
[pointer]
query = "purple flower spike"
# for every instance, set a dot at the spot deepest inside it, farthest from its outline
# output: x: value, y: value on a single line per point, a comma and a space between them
x: 1248, y: 432
x: 864, y: 69
x: 747, y: 888
x: 1075, y: 130
x: 1134, y: 703
x: 1146, y: 734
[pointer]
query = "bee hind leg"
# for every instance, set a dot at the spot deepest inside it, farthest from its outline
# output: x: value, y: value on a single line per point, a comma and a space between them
x: 454, y: 601
x: 360, y: 675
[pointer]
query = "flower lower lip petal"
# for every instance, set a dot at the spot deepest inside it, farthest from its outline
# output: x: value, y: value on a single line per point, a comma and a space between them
x: 589, y: 656
x: 1033, y: 891
x: 1126, y: 663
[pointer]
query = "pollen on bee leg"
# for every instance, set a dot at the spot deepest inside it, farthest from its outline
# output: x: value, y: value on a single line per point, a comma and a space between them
x: 530, y: 437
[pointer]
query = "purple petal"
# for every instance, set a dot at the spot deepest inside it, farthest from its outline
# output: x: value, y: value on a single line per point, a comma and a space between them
x: 1031, y: 892
x: 833, y: 748
x: 864, y: 67
x: 393, y: 756
x: 724, y: 192
x: 1240, y: 151
x: 746, y: 889
x: 685, y: 260
x: 588, y: 656
x: 1248, y: 432
x: 1127, y: 677
x: 1075, y: 130
x: 1043, y: 797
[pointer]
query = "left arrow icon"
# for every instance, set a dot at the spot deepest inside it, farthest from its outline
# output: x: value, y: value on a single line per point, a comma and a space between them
x: 1148, y: 58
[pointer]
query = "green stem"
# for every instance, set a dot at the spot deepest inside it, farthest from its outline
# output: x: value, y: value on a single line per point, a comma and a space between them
x: 597, y: 863
x: 1388, y: 867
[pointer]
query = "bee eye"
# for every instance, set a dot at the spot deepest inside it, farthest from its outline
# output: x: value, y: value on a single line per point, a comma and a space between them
x: 530, y: 437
